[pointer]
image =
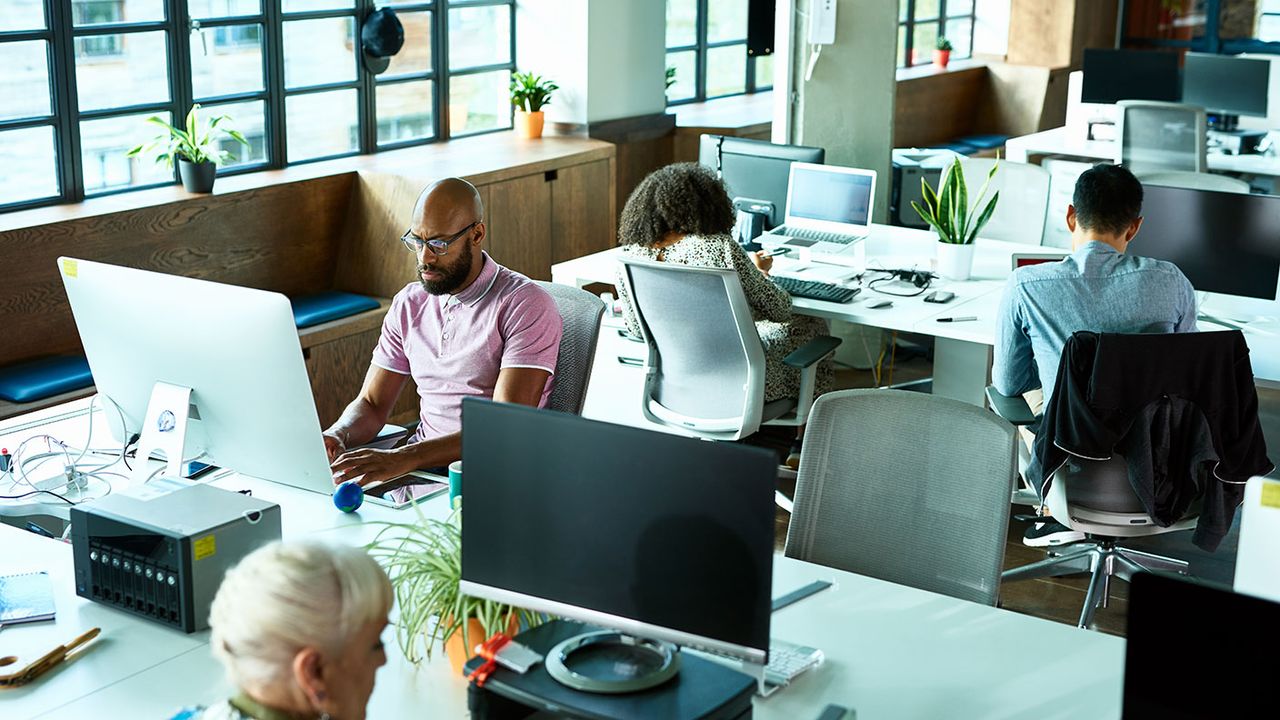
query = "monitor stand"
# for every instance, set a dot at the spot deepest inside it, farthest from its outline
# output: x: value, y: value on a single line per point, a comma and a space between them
x: 164, y: 428
x: 611, y: 662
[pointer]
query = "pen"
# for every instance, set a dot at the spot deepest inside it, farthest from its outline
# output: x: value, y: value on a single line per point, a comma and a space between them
x: 966, y: 318
x: 775, y: 252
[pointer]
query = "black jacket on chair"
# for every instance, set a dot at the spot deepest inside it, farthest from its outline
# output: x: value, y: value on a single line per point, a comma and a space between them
x: 1181, y: 407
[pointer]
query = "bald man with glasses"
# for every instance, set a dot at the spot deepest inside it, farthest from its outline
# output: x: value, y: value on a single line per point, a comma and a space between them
x: 467, y: 327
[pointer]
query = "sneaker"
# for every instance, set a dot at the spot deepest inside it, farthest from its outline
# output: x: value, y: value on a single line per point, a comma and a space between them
x: 1044, y: 534
x: 793, y: 457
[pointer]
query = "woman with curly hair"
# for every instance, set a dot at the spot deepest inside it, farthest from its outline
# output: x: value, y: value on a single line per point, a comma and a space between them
x: 682, y: 214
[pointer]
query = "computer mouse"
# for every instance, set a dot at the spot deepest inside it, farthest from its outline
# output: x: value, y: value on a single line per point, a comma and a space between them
x: 879, y: 303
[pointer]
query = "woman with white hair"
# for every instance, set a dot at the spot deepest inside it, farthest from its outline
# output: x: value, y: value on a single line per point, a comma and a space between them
x: 297, y: 626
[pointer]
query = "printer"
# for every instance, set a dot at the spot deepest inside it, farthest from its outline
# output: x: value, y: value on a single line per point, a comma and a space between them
x: 910, y: 166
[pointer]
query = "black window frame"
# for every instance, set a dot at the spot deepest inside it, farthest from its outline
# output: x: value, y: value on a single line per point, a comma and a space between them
x: 700, y: 48
x: 179, y: 28
x: 907, y: 29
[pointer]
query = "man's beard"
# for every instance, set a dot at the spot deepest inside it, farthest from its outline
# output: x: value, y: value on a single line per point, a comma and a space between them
x: 454, y: 275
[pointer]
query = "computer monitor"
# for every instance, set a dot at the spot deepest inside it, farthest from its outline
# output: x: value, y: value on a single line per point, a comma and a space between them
x: 236, y: 348
x: 656, y: 535
x: 1227, y: 85
x: 756, y: 171
x: 1114, y: 75
x: 1227, y: 243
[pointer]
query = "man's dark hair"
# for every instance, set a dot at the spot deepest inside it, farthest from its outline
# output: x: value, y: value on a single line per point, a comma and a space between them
x: 684, y: 198
x: 1108, y: 199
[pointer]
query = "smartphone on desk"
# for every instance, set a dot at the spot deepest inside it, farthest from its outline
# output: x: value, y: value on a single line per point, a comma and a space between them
x: 425, y: 485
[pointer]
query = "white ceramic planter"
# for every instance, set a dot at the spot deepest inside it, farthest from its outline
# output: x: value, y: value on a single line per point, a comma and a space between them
x: 955, y: 262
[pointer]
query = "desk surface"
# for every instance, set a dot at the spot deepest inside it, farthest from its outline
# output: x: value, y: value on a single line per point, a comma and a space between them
x: 1060, y: 141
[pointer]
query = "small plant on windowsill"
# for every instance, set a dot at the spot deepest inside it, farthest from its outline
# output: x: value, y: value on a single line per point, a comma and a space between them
x: 196, y: 147
x: 530, y: 93
x: 670, y: 79
x: 942, y: 53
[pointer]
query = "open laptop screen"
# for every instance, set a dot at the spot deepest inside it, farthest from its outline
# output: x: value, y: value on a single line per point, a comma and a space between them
x: 838, y: 197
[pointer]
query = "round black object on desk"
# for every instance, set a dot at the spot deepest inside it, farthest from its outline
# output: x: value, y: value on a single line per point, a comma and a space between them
x: 612, y: 662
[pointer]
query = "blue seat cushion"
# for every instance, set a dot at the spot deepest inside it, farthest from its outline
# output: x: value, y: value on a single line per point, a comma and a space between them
x: 39, y: 379
x: 985, y: 142
x: 322, y: 307
x: 958, y: 147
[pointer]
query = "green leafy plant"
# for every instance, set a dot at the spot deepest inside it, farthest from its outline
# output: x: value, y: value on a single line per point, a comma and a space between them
x: 530, y: 92
x: 948, y: 212
x: 424, y: 562
x: 196, y: 143
x: 671, y: 76
x: 943, y: 44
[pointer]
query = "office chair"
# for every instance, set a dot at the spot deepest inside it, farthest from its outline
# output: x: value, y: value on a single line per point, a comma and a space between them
x: 1195, y: 181
x: 1024, y: 198
x: 1096, y: 498
x: 1155, y: 136
x: 906, y: 487
x: 705, y: 368
x: 580, y: 313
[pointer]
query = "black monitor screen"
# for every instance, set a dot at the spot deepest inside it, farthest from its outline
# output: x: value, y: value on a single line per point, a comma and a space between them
x: 1114, y: 75
x: 755, y: 170
x: 1225, y: 84
x: 668, y: 531
x: 1223, y: 242
x: 1197, y: 652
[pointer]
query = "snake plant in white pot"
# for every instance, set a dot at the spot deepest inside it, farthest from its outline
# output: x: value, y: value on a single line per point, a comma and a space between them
x: 948, y: 212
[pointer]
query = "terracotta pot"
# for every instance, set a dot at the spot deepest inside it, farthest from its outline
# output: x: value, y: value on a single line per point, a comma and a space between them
x: 941, y: 58
x: 459, y: 654
x: 529, y: 124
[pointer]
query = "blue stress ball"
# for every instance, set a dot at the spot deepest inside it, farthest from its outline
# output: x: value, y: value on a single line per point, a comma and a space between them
x: 349, y: 496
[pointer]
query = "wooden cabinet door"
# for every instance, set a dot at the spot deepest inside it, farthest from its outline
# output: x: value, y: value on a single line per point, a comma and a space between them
x: 519, y: 223
x: 337, y: 369
x: 582, y: 211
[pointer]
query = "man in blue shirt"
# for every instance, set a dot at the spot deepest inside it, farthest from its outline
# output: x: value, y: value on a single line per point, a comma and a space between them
x: 1097, y: 287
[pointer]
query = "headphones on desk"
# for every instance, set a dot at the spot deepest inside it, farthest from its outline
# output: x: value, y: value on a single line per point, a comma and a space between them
x: 921, y: 279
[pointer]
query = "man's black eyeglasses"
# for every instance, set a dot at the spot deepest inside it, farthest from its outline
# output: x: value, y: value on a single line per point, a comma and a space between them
x: 436, y: 245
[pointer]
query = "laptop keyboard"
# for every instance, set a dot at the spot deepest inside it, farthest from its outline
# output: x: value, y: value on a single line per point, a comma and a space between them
x: 815, y: 290
x: 815, y: 235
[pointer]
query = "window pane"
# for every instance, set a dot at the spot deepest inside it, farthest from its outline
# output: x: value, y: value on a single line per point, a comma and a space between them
x: 902, y: 11
x: 250, y: 119
x: 959, y: 7
x: 726, y: 20
x: 415, y: 56
x: 764, y: 71
x: 25, y: 81
x: 926, y: 39
x: 30, y: 167
x: 960, y: 33
x: 902, y: 46
x: 22, y: 15
x: 726, y: 70
x: 479, y: 36
x: 103, y: 147
x: 404, y: 112
x: 122, y: 69
x: 320, y: 124
x: 223, y: 8
x: 682, y: 22
x: 926, y: 9
x: 99, y: 12
x: 686, y: 67
x: 479, y: 102
x: 305, y: 5
x: 226, y: 60
x: 317, y: 52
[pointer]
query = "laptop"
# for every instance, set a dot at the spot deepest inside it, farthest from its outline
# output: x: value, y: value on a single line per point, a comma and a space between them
x: 1195, y: 651
x: 828, y: 210
x: 1019, y: 260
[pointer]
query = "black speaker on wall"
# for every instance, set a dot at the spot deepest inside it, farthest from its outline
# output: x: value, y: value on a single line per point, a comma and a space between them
x: 760, y: 27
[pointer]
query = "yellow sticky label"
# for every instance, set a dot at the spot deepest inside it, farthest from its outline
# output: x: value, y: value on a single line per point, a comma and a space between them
x: 1271, y: 494
x: 205, y: 547
x: 70, y: 267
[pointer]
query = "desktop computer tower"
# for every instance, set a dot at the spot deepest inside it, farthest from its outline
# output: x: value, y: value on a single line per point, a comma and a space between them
x: 910, y: 166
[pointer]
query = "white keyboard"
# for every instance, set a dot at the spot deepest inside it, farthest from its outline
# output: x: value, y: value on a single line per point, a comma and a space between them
x: 787, y: 660
x: 815, y: 235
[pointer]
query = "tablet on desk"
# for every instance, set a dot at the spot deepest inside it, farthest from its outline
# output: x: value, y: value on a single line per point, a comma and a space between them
x: 425, y: 485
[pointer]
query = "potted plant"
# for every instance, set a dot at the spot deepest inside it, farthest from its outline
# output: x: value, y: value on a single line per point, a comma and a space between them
x: 424, y: 562
x: 670, y: 77
x: 948, y: 213
x: 529, y: 93
x: 942, y: 53
x: 197, y: 148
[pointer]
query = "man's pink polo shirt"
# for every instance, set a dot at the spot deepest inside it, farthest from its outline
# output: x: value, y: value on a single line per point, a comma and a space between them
x: 453, y: 346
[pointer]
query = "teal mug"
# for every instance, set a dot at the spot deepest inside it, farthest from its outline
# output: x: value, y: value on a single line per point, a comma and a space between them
x: 455, y: 483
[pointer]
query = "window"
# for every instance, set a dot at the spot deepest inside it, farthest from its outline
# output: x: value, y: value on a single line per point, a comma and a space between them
x: 922, y: 22
x: 1215, y: 26
x: 288, y: 73
x: 707, y: 52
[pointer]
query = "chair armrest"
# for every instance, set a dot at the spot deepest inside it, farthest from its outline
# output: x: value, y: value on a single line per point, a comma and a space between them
x: 812, y: 351
x: 1014, y: 409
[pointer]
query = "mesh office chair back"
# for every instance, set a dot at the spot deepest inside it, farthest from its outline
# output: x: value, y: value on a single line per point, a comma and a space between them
x: 706, y: 363
x: 1024, y: 198
x: 906, y: 487
x: 580, y: 313
x: 1158, y: 136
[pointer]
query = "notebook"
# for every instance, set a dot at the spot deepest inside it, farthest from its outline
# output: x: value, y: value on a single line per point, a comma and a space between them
x: 25, y: 598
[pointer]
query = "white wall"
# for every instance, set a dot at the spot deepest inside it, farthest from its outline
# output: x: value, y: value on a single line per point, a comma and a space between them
x: 551, y: 41
x: 991, y: 27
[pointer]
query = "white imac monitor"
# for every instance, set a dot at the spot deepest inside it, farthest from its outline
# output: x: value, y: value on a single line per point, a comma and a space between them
x: 237, y: 351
